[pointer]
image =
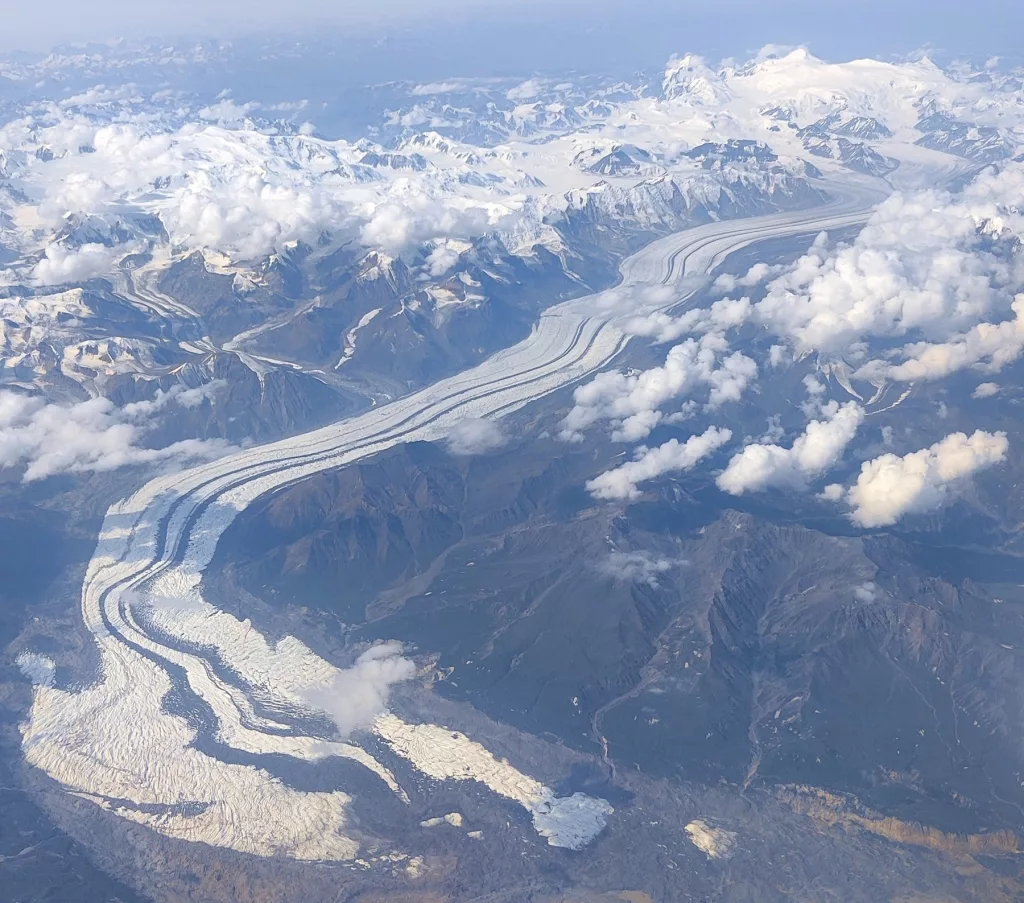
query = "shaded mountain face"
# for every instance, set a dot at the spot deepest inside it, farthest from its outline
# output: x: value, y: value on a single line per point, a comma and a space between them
x: 343, y: 536
x: 681, y: 637
x: 980, y: 144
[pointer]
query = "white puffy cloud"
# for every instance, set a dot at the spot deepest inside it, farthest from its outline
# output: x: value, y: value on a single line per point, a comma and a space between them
x: 404, y: 222
x: 778, y: 356
x: 832, y: 493
x: 62, y: 265
x: 77, y: 193
x: 632, y: 401
x: 227, y: 112
x: 814, y: 386
x: 985, y: 390
x: 671, y: 457
x: 247, y: 215
x: 474, y: 436
x: 441, y: 259
x: 990, y: 345
x: 637, y: 567
x: 775, y: 431
x: 865, y: 592
x: 234, y: 190
x: 891, y: 486
x: 937, y: 268
x: 92, y: 435
x: 193, y: 398
x: 815, y: 451
x: 757, y: 273
x: 526, y: 90
x: 919, y: 264
x: 356, y: 695
x: 725, y: 314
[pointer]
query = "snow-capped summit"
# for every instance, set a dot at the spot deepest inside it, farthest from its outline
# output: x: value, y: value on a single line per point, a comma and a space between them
x: 691, y: 78
x: 113, y: 188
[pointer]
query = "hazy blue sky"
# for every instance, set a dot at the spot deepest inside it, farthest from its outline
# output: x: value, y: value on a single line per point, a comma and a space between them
x: 571, y: 31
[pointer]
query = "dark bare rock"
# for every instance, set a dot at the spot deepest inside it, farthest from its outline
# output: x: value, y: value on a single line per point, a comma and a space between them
x: 687, y: 641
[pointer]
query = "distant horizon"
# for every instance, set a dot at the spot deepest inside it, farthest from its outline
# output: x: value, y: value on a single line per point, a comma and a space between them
x: 460, y: 37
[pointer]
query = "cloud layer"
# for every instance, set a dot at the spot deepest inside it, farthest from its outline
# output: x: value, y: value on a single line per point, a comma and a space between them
x: 221, y: 185
x: 941, y: 269
x: 632, y: 401
x: 93, y: 435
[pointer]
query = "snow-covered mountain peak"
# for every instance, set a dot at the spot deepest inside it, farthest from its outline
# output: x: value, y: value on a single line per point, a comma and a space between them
x: 86, y: 183
x: 690, y: 77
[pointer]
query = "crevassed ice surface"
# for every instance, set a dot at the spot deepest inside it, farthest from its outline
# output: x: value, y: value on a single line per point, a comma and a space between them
x: 115, y: 744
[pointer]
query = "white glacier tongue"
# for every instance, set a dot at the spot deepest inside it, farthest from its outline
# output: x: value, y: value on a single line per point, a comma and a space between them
x: 445, y: 754
x: 115, y: 744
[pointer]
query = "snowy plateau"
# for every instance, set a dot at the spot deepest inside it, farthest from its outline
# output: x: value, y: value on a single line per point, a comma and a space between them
x: 219, y: 300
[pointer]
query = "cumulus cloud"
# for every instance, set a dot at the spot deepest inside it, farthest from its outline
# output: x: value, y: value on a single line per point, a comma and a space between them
x: 62, y: 265
x: 992, y: 345
x: 778, y: 356
x: 526, y: 90
x: 631, y: 401
x: 757, y: 273
x: 227, y: 112
x: 985, y: 390
x: 441, y: 259
x: 921, y: 263
x: 193, y: 398
x: 402, y: 223
x: 671, y: 457
x: 637, y: 567
x: 247, y: 215
x: 216, y: 185
x: 832, y: 493
x: 865, y: 592
x: 774, y: 432
x: 94, y: 435
x: 815, y: 451
x: 891, y: 486
x: 814, y: 386
x: 356, y: 695
x: 938, y: 269
x: 728, y: 313
x: 474, y: 436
